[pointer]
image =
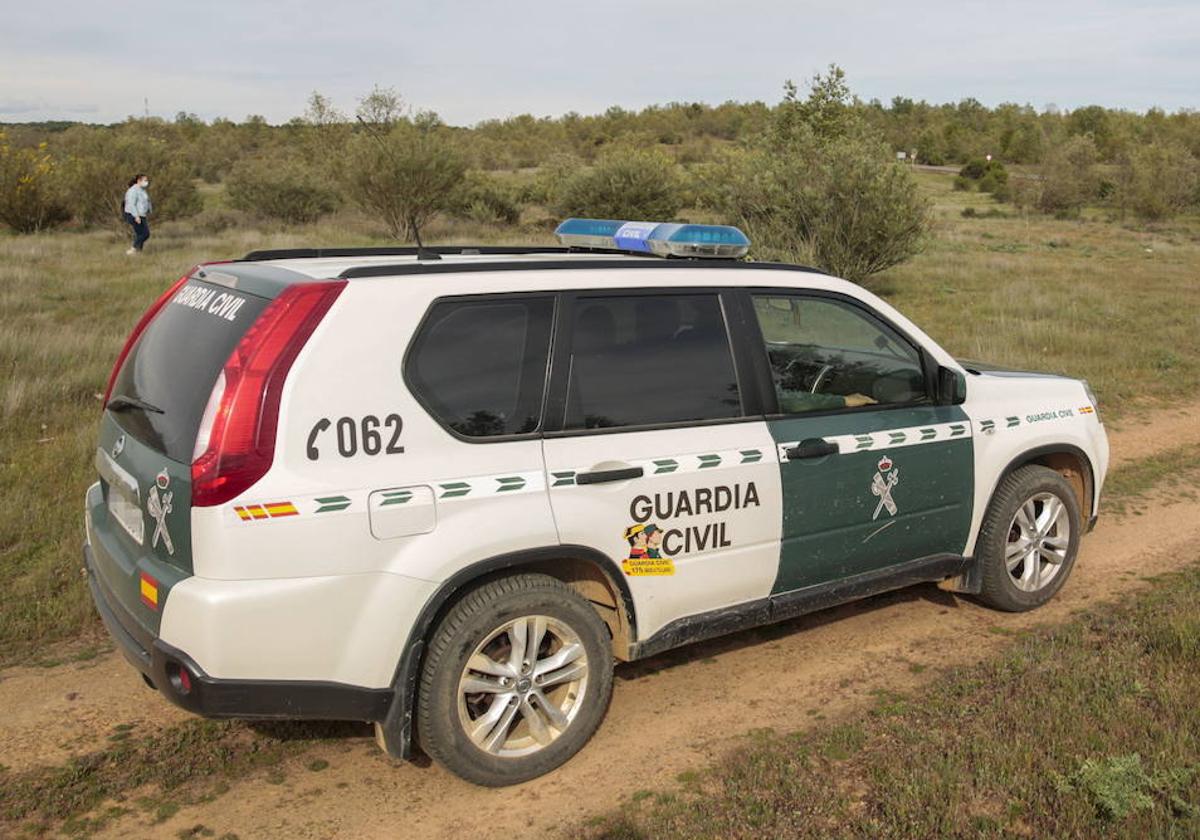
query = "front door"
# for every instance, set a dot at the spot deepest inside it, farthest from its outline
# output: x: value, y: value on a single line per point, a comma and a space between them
x: 873, y: 472
x: 656, y: 462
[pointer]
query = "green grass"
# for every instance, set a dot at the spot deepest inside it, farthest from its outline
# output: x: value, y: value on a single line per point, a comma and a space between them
x: 1089, y: 729
x: 1082, y: 298
x: 1175, y: 472
x: 187, y: 763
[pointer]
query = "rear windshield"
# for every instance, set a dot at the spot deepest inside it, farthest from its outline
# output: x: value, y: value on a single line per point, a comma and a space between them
x: 176, y: 361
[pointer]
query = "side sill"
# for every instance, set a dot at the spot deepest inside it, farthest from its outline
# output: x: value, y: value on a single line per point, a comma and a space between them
x: 774, y: 608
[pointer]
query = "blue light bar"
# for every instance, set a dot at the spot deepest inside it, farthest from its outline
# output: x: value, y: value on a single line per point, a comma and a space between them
x: 664, y: 239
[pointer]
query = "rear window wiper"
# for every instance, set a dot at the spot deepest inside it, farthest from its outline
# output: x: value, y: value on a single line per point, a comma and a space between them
x: 123, y: 403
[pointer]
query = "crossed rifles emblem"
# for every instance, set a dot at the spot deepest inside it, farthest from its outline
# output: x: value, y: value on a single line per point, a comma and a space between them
x: 881, y: 485
x: 158, y: 507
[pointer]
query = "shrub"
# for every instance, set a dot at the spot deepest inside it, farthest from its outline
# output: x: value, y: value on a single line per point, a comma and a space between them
x: 216, y: 220
x: 404, y: 176
x: 990, y: 175
x: 99, y: 163
x: 29, y: 189
x: 973, y: 169
x: 1068, y: 177
x: 962, y: 183
x: 624, y: 183
x: 286, y: 190
x: 487, y: 199
x: 1158, y: 181
x: 846, y: 205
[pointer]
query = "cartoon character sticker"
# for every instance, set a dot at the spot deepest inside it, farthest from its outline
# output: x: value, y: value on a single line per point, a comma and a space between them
x: 886, y: 478
x: 645, y: 551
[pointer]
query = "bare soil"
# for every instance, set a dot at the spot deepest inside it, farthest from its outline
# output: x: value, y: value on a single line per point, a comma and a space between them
x: 669, y: 714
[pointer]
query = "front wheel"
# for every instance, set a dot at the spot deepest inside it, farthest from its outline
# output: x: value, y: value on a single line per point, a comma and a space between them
x: 1029, y: 539
x: 518, y: 677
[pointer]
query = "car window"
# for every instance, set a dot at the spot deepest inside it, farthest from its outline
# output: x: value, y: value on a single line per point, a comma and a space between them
x: 826, y: 354
x: 649, y: 360
x: 480, y: 366
x: 176, y: 361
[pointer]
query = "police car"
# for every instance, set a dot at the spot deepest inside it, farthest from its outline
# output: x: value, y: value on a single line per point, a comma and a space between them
x: 443, y: 490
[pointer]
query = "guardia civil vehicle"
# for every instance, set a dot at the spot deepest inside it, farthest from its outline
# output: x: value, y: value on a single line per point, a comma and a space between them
x: 442, y: 490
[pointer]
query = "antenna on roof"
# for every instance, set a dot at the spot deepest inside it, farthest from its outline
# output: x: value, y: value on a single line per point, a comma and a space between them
x: 422, y: 252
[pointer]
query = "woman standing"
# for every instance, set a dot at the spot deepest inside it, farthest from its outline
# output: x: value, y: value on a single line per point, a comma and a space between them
x: 137, y: 209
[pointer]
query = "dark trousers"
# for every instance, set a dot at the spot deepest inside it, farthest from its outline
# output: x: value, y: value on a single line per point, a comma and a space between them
x: 141, y: 230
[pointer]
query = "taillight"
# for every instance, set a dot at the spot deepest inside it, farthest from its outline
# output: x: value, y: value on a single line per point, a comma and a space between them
x: 139, y: 328
x: 236, y: 444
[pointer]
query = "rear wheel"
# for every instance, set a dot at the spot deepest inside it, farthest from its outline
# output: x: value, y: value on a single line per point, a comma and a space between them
x: 1029, y: 539
x: 518, y: 677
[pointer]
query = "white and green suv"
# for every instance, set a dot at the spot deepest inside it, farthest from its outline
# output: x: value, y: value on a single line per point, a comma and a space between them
x: 444, y: 490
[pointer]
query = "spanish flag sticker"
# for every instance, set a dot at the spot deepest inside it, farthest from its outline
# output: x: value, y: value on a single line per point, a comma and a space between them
x: 149, y: 591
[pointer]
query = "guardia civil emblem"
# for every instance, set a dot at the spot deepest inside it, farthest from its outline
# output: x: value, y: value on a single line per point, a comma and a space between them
x: 158, y: 505
x: 886, y: 477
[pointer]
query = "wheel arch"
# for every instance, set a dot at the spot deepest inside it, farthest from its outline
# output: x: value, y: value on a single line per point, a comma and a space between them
x: 592, y: 574
x: 1069, y: 461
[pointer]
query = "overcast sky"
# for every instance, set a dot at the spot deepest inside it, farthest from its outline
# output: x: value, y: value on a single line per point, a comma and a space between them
x: 472, y: 59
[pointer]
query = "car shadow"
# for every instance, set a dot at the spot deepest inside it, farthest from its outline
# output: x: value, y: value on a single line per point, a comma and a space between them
x: 699, y: 651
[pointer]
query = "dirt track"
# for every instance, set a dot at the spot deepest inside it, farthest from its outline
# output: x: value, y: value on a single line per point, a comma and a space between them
x: 670, y: 713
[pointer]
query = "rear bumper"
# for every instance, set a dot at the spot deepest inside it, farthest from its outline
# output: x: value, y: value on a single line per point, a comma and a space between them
x: 177, y: 676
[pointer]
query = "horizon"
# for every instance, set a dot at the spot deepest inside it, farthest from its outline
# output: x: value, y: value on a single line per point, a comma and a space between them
x: 477, y: 62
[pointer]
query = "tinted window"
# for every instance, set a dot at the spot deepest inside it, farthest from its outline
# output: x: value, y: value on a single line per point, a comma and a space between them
x: 176, y: 361
x: 826, y: 354
x: 480, y: 366
x: 649, y: 360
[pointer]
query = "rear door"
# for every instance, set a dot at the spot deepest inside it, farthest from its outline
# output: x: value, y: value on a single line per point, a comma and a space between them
x: 140, y: 521
x: 874, y: 473
x: 656, y: 454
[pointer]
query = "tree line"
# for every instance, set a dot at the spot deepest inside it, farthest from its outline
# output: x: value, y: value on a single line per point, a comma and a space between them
x: 813, y: 177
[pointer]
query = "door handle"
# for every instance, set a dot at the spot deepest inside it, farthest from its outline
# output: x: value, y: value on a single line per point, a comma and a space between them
x: 601, y: 476
x: 811, y: 449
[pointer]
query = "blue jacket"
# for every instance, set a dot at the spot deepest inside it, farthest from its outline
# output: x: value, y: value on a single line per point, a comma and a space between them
x: 137, y: 202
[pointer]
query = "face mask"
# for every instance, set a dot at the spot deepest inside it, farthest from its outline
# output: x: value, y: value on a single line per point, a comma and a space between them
x: 145, y: 183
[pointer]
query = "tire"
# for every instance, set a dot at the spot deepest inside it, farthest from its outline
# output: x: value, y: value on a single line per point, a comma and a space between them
x: 1023, y: 567
x: 541, y: 724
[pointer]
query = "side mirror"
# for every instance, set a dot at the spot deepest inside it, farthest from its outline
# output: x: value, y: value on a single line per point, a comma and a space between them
x: 951, y: 386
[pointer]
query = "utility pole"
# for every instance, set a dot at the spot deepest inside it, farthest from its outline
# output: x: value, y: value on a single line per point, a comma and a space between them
x: 146, y: 106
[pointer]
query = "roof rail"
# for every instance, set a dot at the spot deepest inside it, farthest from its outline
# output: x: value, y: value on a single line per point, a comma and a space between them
x: 393, y: 269
x: 398, y: 251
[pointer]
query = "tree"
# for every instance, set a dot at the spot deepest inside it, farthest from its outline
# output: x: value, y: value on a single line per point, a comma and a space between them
x: 405, y: 175
x: 821, y: 188
x: 827, y: 112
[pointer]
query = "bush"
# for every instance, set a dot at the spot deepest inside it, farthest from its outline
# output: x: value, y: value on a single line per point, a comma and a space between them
x: 1068, y: 177
x: 285, y: 190
x: 622, y: 184
x: 846, y: 205
x: 962, y: 183
x: 486, y: 199
x: 974, y: 169
x: 404, y: 176
x: 990, y: 177
x: 1158, y: 181
x: 216, y: 220
x: 99, y: 163
x: 29, y: 189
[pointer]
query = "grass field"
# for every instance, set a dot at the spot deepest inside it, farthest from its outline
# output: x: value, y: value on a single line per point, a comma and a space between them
x: 1117, y: 305
x: 1083, y: 730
